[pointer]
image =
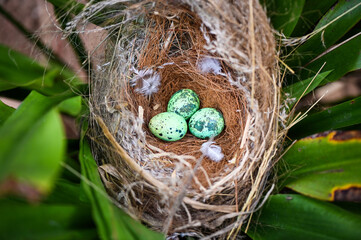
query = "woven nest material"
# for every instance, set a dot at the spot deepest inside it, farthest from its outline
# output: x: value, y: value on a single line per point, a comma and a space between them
x: 225, y: 52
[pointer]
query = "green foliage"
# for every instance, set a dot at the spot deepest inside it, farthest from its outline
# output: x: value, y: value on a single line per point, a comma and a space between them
x: 292, y: 216
x: 23, y: 137
x: 17, y: 70
x: 284, y: 14
x: 71, y: 200
x: 335, y: 24
x: 312, y: 12
x: 327, y: 165
x: 42, y: 222
x: 340, y: 60
x: 342, y: 115
x: 300, y: 89
x: 318, y: 166
x: 71, y: 106
x: 111, y: 221
x: 5, y: 111
x: 70, y: 6
x: 33, y: 151
x: 67, y: 192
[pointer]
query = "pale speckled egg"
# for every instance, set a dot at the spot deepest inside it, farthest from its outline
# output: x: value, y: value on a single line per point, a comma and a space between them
x: 168, y: 126
x: 184, y: 102
x: 206, y: 122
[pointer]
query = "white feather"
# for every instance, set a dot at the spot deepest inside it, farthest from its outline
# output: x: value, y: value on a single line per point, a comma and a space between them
x: 211, y: 151
x: 210, y: 65
x: 150, y: 81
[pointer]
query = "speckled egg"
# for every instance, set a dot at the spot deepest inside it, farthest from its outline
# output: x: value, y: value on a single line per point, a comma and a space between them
x: 206, y: 122
x: 168, y: 126
x: 184, y: 102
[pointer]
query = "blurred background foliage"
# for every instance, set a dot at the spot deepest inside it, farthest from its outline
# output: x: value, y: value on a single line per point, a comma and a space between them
x: 49, y: 182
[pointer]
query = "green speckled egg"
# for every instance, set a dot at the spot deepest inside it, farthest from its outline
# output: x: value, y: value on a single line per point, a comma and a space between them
x: 168, y: 126
x: 185, y: 102
x: 206, y: 122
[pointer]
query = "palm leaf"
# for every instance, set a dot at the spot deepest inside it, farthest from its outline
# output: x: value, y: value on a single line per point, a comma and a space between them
x: 342, y: 115
x: 292, y: 216
x: 284, y: 14
x: 324, y: 166
x: 312, y: 12
x: 335, y: 24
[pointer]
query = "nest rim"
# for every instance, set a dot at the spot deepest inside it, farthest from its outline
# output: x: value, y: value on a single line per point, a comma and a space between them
x: 238, y: 210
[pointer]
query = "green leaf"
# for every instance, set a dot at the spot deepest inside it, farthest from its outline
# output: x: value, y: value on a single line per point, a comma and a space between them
x: 296, y: 217
x: 335, y: 24
x: 65, y: 192
x: 71, y: 6
x: 353, y: 6
x: 34, y: 161
x: 32, y: 144
x: 324, y: 166
x: 42, y: 222
x: 311, y: 14
x: 342, y: 115
x: 71, y: 106
x: 302, y: 88
x: 71, y: 165
x: 284, y: 14
x: 5, y: 112
x: 17, y: 70
x: 112, y: 223
x: 341, y: 59
x: 354, y: 207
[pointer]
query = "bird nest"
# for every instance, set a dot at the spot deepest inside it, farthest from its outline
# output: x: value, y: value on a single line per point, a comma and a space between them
x: 225, y: 52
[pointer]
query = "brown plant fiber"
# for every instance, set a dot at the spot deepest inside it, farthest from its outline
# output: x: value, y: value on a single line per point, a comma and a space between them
x: 213, y: 90
x: 171, y: 186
